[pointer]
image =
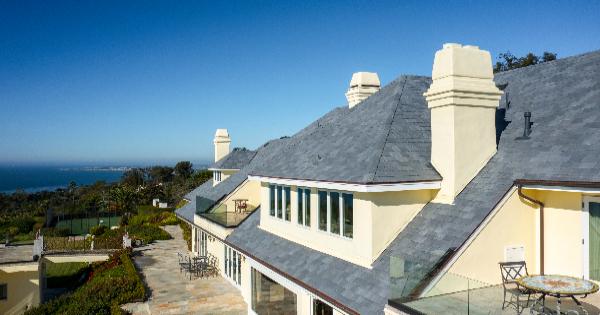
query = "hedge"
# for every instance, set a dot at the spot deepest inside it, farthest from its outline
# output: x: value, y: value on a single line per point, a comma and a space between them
x: 110, y: 284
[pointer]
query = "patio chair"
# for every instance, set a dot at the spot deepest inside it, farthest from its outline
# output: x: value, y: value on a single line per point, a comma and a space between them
x: 184, y: 263
x: 511, y: 271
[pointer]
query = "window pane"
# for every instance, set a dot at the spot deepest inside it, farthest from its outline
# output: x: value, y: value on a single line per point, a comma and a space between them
x: 270, y: 297
x: 288, y: 203
x: 320, y: 308
x: 334, y: 198
x: 234, y: 262
x: 272, y: 200
x: 239, y: 273
x: 225, y: 258
x: 348, y: 215
x: 279, y: 202
x: 307, y: 203
x: 323, y: 210
x: 300, y: 210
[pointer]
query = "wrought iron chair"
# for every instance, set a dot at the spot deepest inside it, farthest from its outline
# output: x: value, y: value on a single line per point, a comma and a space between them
x: 511, y: 271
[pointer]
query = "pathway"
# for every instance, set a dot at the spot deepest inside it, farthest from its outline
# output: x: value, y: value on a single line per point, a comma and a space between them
x: 172, y: 292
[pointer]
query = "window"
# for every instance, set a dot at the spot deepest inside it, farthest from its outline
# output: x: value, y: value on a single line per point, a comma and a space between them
x: 348, y: 214
x: 334, y: 206
x: 217, y: 176
x: 272, y: 200
x: 336, y: 213
x: 288, y: 204
x: 270, y: 297
x: 3, y: 291
x: 304, y: 206
x: 201, y: 242
x: 321, y: 308
x: 322, y: 210
x: 233, y: 265
x: 280, y: 202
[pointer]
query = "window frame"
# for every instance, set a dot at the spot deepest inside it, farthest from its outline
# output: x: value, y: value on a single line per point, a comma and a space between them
x: 4, y: 290
x: 279, y: 199
x: 303, y: 206
x: 340, y: 210
x: 233, y: 265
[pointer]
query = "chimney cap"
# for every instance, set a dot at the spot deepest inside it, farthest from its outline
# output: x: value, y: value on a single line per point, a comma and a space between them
x: 365, y: 79
x: 222, y: 133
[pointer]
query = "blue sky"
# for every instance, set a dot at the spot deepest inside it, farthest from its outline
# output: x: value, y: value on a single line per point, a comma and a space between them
x: 149, y: 82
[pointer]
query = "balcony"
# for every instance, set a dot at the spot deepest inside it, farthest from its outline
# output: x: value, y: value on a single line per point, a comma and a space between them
x: 227, y: 219
x: 460, y: 294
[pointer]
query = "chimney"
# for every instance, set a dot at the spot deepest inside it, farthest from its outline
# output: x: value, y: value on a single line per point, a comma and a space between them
x: 221, y: 142
x: 463, y: 100
x: 362, y: 85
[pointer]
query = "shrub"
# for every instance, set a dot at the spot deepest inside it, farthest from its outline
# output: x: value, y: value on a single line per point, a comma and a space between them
x: 112, y: 283
x: 61, y: 275
x: 187, y: 233
x: 23, y: 224
x: 55, y: 232
x: 148, y: 233
x: 98, y: 230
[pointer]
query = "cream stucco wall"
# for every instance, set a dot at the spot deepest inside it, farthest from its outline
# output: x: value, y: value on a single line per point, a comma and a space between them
x: 516, y: 223
x: 23, y: 288
x: 247, y: 190
x: 378, y: 218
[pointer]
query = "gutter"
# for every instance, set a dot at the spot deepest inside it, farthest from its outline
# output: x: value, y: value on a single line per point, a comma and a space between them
x: 541, y: 205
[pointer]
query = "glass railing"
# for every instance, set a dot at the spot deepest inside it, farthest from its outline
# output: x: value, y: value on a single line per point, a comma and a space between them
x: 461, y: 290
x: 227, y: 219
x: 415, y: 290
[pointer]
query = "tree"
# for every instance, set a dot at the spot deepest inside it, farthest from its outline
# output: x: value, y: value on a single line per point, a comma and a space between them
x: 133, y: 177
x: 507, y: 61
x: 160, y: 174
x: 184, y: 169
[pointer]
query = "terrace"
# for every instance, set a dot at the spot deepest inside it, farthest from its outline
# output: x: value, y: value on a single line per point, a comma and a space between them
x: 228, y: 216
x: 460, y: 294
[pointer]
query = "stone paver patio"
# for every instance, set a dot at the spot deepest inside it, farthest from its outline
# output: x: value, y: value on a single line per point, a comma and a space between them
x: 172, y: 292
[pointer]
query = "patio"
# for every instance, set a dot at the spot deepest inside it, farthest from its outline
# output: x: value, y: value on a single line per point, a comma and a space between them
x: 173, y: 292
x: 488, y: 300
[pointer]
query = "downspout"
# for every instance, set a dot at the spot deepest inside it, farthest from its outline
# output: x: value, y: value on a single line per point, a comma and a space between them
x: 541, y: 204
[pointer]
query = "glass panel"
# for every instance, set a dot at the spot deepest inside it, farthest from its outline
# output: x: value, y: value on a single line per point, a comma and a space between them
x: 288, y: 204
x: 594, y: 241
x: 225, y: 259
x: 348, y: 215
x: 300, y: 209
x: 239, y: 273
x: 234, y: 262
x: 272, y: 200
x: 323, y: 210
x: 269, y: 297
x: 334, y: 199
x: 307, y: 203
x: 279, y: 202
x: 229, y: 259
x: 320, y: 308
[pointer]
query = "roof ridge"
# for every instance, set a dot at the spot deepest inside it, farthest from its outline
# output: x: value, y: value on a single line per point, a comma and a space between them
x: 558, y: 60
x: 391, y: 122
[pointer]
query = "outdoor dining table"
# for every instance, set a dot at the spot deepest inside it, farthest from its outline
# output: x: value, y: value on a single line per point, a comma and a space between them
x: 240, y: 205
x: 557, y: 286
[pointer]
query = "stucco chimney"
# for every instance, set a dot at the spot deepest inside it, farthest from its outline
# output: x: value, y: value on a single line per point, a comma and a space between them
x: 221, y: 142
x: 463, y: 100
x: 362, y: 85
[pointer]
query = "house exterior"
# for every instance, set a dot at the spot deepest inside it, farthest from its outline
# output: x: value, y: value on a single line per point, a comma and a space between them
x: 414, y: 190
x: 20, y: 277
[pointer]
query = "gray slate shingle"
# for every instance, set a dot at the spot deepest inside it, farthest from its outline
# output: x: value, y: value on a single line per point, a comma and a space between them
x: 564, y: 98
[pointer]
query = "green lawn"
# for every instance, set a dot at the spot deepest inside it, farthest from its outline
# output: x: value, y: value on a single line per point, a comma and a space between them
x: 82, y: 226
x: 63, y: 275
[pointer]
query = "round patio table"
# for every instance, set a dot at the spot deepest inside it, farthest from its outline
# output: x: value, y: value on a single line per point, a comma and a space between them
x: 557, y: 286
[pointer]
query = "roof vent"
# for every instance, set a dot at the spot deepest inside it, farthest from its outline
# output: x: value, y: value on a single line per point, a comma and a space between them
x: 527, y: 127
x: 362, y: 85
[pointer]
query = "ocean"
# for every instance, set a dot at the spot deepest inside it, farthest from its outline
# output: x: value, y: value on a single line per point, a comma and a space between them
x: 39, y: 178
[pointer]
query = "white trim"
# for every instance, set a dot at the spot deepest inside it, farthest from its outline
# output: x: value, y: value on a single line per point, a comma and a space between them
x: 222, y: 169
x: 585, y: 228
x: 468, y: 242
x: 563, y: 188
x: 353, y: 187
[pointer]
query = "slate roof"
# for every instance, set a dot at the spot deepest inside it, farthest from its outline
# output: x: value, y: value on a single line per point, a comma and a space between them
x: 235, y: 160
x: 385, y: 139
x: 564, y: 98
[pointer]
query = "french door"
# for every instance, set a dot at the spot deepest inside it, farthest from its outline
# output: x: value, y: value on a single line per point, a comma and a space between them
x: 591, y: 238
